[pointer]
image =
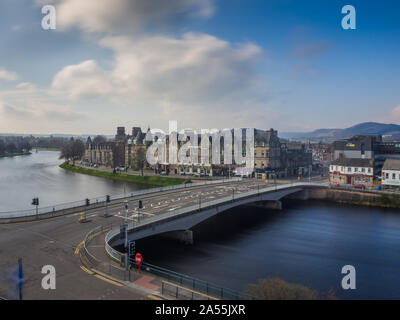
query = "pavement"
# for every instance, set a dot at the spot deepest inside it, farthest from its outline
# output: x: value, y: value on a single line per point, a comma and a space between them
x: 56, y: 242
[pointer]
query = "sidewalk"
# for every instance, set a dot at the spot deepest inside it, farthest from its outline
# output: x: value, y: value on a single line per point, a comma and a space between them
x: 150, y: 284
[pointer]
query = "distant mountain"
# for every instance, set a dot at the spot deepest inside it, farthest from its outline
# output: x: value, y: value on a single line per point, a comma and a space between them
x: 389, y: 131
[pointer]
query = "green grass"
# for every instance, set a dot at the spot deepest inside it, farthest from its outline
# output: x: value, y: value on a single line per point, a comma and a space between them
x: 151, y: 180
x: 15, y: 154
x: 48, y: 149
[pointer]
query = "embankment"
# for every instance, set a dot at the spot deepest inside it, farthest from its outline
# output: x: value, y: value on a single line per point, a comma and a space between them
x: 150, y: 180
x: 376, y: 199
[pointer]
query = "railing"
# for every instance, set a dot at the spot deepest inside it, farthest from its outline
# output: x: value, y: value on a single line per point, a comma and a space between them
x: 98, y: 202
x: 194, y: 284
x: 95, y: 263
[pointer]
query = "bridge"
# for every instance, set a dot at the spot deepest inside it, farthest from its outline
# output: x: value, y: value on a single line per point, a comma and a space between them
x: 176, y: 217
x: 55, y: 236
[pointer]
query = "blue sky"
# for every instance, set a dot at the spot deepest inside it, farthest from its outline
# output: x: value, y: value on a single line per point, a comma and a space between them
x: 206, y: 63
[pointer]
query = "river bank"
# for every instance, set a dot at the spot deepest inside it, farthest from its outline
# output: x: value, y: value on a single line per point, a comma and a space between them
x: 15, y: 154
x: 370, y: 199
x: 124, y: 177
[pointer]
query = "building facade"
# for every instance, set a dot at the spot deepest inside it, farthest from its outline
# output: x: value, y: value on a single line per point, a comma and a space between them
x: 391, y: 174
x: 352, y: 172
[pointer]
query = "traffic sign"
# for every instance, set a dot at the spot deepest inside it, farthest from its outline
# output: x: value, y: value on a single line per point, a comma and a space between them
x: 138, y: 260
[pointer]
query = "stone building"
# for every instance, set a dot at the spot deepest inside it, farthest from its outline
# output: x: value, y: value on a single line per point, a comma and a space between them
x: 352, y: 171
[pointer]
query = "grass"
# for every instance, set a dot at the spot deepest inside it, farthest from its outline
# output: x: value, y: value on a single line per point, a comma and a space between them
x: 15, y: 154
x: 151, y: 180
x: 47, y: 149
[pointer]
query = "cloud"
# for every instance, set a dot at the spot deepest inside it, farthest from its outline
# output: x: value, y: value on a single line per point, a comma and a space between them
x: 7, y: 75
x: 393, y: 116
x: 117, y: 15
x: 193, y: 74
x: 83, y: 81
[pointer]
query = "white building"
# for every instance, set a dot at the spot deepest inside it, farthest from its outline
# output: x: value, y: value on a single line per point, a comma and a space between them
x: 352, y: 171
x: 391, y: 173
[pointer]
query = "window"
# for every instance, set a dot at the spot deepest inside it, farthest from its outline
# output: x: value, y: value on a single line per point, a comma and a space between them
x: 355, y: 169
x: 363, y: 170
x: 387, y: 176
x: 393, y: 176
x: 369, y: 170
x: 262, y: 164
x: 348, y: 169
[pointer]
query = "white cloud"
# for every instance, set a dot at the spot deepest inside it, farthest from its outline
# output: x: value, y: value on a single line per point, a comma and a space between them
x: 195, y: 76
x: 7, y: 75
x: 83, y: 81
x: 117, y: 15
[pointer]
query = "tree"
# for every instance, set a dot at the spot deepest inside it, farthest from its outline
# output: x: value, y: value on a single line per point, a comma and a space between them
x: 278, y: 289
x: 2, y: 147
x: 74, y: 150
x: 11, y: 147
x: 139, y: 159
x: 99, y: 139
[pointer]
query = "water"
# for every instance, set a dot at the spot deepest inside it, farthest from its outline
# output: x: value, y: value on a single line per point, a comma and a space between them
x: 308, y: 243
x: 38, y: 175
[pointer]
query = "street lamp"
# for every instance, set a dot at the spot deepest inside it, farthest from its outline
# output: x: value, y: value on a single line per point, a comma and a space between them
x: 126, y: 211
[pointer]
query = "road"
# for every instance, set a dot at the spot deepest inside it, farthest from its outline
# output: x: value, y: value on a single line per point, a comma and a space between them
x: 54, y: 241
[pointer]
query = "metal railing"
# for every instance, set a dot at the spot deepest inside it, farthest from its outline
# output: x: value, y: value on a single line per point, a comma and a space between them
x: 193, y: 283
x: 69, y: 207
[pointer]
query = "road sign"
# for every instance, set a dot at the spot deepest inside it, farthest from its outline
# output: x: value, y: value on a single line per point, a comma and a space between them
x: 138, y: 260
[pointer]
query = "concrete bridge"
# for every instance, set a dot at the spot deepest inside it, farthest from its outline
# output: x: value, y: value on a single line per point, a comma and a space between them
x: 178, y: 222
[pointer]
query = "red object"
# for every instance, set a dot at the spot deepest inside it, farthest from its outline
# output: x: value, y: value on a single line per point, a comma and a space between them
x: 138, y: 260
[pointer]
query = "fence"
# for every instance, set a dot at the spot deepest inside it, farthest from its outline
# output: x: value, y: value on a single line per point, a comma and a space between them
x: 103, y: 266
x: 71, y: 207
x: 194, y: 284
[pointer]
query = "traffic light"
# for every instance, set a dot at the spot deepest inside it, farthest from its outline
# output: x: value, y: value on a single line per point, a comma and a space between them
x: 108, y: 198
x: 87, y: 202
x: 132, y: 249
x: 35, y: 201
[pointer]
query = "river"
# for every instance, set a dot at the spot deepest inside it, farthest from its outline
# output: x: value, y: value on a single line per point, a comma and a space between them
x: 38, y: 175
x: 308, y: 242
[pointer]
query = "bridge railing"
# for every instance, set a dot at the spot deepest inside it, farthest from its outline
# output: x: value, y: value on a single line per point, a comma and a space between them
x: 202, y: 205
x: 69, y: 207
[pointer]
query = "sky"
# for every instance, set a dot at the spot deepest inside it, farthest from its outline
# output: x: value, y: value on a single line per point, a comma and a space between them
x: 282, y: 64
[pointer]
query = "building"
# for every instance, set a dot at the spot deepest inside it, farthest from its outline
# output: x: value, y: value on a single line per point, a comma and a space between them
x: 271, y: 157
x: 117, y: 152
x: 391, y: 174
x: 367, y: 147
x: 352, y: 172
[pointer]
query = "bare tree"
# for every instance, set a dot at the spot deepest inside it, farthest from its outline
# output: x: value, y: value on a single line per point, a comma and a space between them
x: 139, y: 159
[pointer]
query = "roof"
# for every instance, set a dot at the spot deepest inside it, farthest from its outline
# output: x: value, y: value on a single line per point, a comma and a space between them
x: 353, y: 162
x: 391, y: 164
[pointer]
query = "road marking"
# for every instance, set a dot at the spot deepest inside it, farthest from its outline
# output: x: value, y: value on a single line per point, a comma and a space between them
x: 87, y: 270
x: 108, y: 280
x: 78, y: 247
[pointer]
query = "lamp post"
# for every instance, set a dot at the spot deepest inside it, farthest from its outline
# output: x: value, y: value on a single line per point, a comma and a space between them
x: 126, y: 211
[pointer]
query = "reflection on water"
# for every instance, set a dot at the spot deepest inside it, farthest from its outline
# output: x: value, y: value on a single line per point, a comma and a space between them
x: 307, y: 242
x: 38, y: 175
